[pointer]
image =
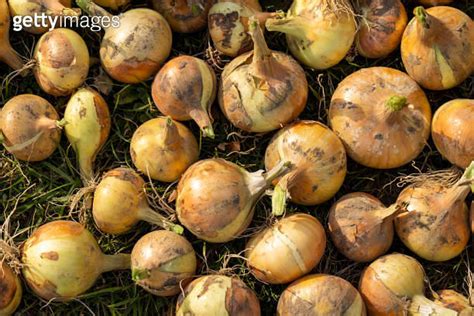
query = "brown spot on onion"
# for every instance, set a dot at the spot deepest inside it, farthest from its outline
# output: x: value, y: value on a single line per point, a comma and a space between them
x: 51, y: 255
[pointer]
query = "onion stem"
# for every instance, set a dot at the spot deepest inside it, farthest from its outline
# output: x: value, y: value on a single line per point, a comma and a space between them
x: 395, y: 103
x: 145, y: 213
x: 119, y: 261
x: 201, y: 117
x: 93, y: 9
x: 422, y: 16
x: 10, y: 57
x: 262, y: 62
x: 258, y: 183
x: 296, y: 26
x: 171, y: 134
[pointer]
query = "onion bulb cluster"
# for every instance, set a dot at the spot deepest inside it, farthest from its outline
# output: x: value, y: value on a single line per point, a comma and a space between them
x: 10, y: 290
x: 7, y: 54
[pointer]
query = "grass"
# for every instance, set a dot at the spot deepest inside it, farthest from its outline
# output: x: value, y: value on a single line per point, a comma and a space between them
x: 35, y: 193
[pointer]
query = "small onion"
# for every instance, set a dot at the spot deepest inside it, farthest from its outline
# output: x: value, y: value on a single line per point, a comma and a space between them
x: 320, y: 294
x: 162, y: 262
x: 217, y: 295
x: 216, y: 198
x: 263, y: 89
x: 382, y: 116
x: 112, y: 4
x: 163, y: 149
x: 184, y: 89
x: 455, y: 301
x: 286, y: 251
x: 10, y: 290
x: 29, y: 127
x: 453, y: 131
x: 438, y: 47
x: 62, y: 260
x: 7, y: 54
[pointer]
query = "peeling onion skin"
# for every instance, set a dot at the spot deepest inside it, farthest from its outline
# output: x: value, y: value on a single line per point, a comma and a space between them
x: 163, y: 262
x: 7, y: 54
x: 452, y: 131
x: 455, y: 301
x: 112, y: 4
x: 320, y: 295
x: 10, y: 290
x: 29, y: 127
x: 217, y: 295
x: 289, y: 249
x: 439, y: 52
x: 382, y: 116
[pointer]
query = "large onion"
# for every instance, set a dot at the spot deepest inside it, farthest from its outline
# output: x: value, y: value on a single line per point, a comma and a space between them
x: 382, y: 116
x: 10, y: 290
x: 287, y: 250
x: 7, y: 54
x: 263, y: 89
x: 62, y: 260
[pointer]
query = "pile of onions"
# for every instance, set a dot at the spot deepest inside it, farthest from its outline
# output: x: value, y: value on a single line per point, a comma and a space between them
x: 455, y: 301
x: 319, y: 33
x: 163, y: 149
x: 452, y: 131
x: 10, y: 290
x: 361, y: 227
x: 287, y: 250
x: 184, y: 89
x: 135, y: 50
x: 162, y: 262
x: 438, y: 47
x: 112, y: 4
x: 318, y: 164
x: 217, y: 295
x: 381, y: 27
x: 120, y: 202
x: 435, y: 226
x: 320, y: 294
x: 216, y: 198
x: 61, y: 62
x: 263, y: 89
x: 7, y: 54
x: 62, y: 260
x: 382, y: 116
x: 29, y: 127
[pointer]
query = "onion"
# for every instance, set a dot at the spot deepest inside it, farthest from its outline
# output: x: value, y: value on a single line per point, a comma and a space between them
x: 185, y: 89
x: 320, y: 294
x: 434, y: 2
x: 30, y: 128
x: 319, y: 164
x: 163, y: 149
x: 62, y: 260
x: 7, y: 54
x: 62, y: 62
x: 286, y: 251
x: 112, y: 4
x: 361, y: 227
x: 382, y: 116
x: 217, y: 295
x: 455, y: 301
x: 135, y: 50
x: 10, y: 290
x: 162, y: 262
x: 453, y: 130
x: 381, y: 28
x: 263, y: 89
x: 438, y: 47
x: 319, y: 32
x: 216, y: 198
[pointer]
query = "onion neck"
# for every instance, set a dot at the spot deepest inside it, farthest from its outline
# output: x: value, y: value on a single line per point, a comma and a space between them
x: 258, y: 182
x: 145, y: 213
x: 388, y: 213
x: 281, y: 194
x: 426, y: 23
x: 421, y: 306
x: 9, y: 56
x: 119, y: 261
x: 54, y: 7
x: 263, y: 64
x: 295, y: 26
x: 422, y: 16
x: 171, y: 136
x: 93, y: 9
x: 203, y: 120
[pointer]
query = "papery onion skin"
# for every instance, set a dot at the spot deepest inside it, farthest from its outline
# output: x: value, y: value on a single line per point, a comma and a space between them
x: 217, y: 295
x: 455, y: 301
x: 10, y: 290
x: 113, y: 4
x: 320, y: 294
x: 286, y: 251
x: 382, y: 116
x: 7, y: 54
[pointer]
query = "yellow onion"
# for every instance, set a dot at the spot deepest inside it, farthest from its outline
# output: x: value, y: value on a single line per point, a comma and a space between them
x: 62, y: 260
x: 381, y: 27
x: 10, y: 290
x: 262, y: 90
x: 435, y: 226
x: 434, y: 2
x: 62, y: 62
x: 361, y: 227
x: 217, y: 295
x: 216, y: 198
x: 319, y: 32
x: 163, y: 262
x: 287, y: 250
x: 453, y: 131
x: 320, y: 294
x: 112, y: 4
x: 455, y: 301
x: 185, y: 89
x: 87, y: 128
x: 29, y: 127
x: 438, y: 47
x: 7, y: 54
x: 318, y: 164
x: 120, y: 202
x: 134, y: 49
x: 163, y: 149
x: 382, y: 116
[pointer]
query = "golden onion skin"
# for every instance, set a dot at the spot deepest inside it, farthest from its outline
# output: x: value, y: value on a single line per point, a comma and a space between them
x: 10, y: 290
x: 376, y: 132
x: 217, y: 295
x: 452, y: 131
x: 455, y: 301
x: 7, y: 54
x: 320, y: 295
x: 439, y: 53
x: 29, y: 127
x: 286, y: 251
x: 163, y: 262
x: 112, y: 4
